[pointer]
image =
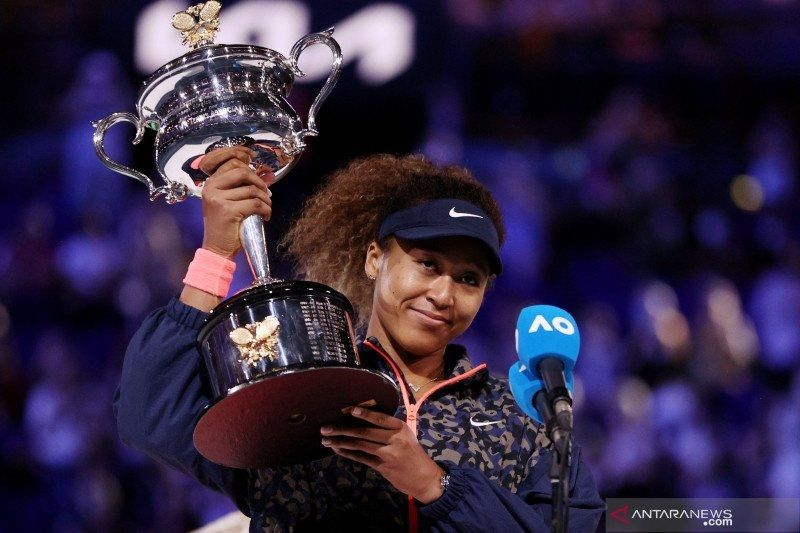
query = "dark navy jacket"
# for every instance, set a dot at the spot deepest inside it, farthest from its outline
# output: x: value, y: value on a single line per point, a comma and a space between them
x: 498, y: 470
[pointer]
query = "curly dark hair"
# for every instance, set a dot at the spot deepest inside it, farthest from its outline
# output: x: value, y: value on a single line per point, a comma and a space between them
x: 328, y: 240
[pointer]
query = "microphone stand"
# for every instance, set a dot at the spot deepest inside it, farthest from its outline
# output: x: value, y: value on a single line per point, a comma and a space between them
x: 559, y: 429
x: 559, y: 481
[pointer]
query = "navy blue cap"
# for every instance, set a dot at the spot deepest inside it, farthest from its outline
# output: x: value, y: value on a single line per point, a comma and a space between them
x: 445, y: 217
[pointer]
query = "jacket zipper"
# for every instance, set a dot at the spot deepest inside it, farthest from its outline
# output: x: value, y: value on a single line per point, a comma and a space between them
x: 413, y: 409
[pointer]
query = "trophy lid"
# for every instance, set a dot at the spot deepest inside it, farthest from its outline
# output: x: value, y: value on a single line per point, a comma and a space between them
x: 198, y: 25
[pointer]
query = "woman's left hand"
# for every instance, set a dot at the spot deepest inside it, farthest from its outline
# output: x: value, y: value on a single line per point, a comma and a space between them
x: 390, y: 447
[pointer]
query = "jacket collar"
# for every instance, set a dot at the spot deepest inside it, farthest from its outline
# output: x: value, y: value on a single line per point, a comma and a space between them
x: 456, y: 360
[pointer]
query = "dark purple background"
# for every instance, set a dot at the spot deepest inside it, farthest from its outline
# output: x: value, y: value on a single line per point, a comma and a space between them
x: 645, y: 157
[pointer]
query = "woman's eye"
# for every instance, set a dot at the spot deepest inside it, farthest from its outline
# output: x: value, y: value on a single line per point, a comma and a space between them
x: 470, y: 280
x: 427, y: 264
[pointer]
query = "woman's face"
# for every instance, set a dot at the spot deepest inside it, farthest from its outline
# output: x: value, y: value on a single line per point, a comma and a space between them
x: 426, y: 292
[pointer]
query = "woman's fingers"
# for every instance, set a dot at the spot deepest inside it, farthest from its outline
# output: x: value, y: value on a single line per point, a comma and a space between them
x: 380, y: 436
x: 214, y: 159
x: 229, y: 165
x: 251, y: 206
x: 372, y: 448
x: 358, y: 456
x: 231, y: 205
x: 235, y: 192
x: 236, y: 177
x: 266, y: 175
x: 376, y: 418
x: 247, y: 191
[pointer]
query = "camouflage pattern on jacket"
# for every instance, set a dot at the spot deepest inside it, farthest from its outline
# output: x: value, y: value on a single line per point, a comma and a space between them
x: 472, y: 423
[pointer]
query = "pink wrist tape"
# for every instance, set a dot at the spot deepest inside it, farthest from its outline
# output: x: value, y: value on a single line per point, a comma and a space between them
x: 210, y: 273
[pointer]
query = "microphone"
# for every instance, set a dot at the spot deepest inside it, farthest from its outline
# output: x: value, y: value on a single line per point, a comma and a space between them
x: 547, y: 342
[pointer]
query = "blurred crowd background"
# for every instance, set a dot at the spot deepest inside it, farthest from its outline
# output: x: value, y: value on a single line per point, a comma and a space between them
x: 645, y: 156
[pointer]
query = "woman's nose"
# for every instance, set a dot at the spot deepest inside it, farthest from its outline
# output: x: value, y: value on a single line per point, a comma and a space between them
x: 442, y: 291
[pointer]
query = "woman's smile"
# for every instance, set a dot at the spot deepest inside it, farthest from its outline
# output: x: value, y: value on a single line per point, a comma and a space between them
x: 430, y: 318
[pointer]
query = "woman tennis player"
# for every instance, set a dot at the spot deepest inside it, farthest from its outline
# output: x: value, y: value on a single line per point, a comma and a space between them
x: 415, y: 248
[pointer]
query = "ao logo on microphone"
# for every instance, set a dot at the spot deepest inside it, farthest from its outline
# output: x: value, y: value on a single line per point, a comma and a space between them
x: 559, y: 323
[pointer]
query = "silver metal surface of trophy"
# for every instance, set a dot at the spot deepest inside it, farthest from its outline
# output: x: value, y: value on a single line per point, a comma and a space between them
x: 221, y: 95
x: 281, y: 355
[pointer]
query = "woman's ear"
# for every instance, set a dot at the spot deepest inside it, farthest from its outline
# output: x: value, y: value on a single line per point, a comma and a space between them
x: 373, y: 260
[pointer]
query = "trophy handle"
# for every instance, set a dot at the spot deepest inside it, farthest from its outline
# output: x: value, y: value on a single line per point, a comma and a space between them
x: 173, y: 191
x: 325, y: 38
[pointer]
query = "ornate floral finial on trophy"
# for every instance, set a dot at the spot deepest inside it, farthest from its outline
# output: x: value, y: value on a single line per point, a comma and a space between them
x: 198, y: 24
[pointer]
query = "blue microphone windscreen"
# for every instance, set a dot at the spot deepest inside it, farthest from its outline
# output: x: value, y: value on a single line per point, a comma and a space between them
x: 524, y: 386
x: 544, y: 331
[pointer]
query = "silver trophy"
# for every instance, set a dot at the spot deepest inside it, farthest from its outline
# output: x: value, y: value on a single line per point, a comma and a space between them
x: 221, y: 95
x: 281, y: 355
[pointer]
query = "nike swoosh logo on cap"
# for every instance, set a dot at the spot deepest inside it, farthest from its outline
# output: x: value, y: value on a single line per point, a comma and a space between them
x: 481, y: 424
x: 456, y: 214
